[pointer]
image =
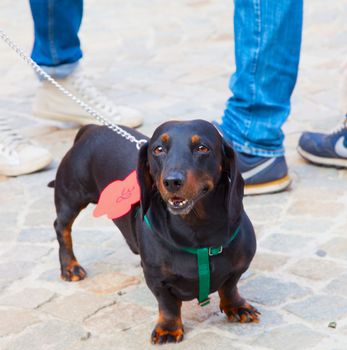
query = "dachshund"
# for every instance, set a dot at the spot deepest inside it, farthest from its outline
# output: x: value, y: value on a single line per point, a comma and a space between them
x: 189, y: 227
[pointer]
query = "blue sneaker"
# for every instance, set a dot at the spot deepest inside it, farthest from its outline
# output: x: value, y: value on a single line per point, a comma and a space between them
x: 325, y: 149
x: 262, y: 174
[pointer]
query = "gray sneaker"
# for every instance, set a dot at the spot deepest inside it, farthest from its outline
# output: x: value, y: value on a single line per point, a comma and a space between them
x: 19, y: 156
x: 50, y: 103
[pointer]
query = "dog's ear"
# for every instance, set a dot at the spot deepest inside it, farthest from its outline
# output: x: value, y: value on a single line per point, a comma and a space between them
x: 234, y: 180
x: 144, y: 178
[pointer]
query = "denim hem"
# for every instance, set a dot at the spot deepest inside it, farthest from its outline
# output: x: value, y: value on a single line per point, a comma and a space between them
x: 243, y: 148
x: 254, y: 151
x: 60, y: 72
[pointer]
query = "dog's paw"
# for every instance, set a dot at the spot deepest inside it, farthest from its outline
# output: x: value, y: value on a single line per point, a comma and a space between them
x: 160, y: 335
x: 244, y: 314
x: 73, y: 272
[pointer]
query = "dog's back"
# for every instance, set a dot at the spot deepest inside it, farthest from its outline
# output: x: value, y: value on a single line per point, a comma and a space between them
x: 98, y: 157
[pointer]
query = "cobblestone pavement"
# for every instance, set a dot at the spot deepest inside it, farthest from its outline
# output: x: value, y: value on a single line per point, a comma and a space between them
x: 173, y: 60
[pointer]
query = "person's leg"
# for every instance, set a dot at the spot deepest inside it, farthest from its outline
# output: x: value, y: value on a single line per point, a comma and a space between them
x: 56, y: 25
x: 57, y: 50
x: 267, y: 51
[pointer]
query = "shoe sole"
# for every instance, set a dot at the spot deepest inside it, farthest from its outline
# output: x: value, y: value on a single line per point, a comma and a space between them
x: 76, y: 119
x: 268, y: 187
x: 34, y: 166
x: 333, y: 162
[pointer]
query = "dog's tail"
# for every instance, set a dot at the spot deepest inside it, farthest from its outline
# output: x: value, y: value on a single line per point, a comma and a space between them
x: 51, y: 184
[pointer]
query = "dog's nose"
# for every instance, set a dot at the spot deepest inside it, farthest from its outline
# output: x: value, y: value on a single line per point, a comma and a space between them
x: 173, y: 182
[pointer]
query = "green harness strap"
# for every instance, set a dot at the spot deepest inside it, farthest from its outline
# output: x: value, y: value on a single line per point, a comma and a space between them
x: 203, y: 256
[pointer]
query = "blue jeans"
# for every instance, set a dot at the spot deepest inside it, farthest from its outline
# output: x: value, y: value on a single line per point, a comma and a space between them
x: 267, y: 51
x: 56, y: 24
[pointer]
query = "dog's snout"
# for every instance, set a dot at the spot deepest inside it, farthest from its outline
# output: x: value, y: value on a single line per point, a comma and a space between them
x: 174, y: 182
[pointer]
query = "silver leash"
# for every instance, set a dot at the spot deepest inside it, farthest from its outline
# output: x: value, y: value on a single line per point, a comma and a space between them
x: 118, y: 130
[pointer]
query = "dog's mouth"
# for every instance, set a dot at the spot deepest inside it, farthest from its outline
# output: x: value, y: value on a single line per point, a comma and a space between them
x: 179, y: 206
x: 178, y: 202
x: 182, y: 206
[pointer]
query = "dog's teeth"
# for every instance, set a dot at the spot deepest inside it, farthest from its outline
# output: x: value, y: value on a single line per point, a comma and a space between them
x: 178, y: 203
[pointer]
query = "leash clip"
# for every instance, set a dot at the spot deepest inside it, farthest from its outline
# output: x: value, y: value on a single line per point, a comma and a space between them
x: 215, y: 250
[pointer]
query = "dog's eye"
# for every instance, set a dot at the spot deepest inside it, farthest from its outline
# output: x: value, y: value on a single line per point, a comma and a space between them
x: 158, y: 150
x: 202, y: 149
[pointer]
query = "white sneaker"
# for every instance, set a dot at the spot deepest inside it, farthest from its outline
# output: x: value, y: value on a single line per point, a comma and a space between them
x: 50, y: 103
x: 19, y: 156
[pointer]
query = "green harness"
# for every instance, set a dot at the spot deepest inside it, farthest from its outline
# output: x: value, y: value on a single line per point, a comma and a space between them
x: 203, y: 256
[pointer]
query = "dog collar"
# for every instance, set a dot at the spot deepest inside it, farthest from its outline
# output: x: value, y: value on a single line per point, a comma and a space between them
x: 203, y: 260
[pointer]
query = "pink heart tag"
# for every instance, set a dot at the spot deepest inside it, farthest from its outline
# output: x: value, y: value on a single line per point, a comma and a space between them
x: 116, y: 198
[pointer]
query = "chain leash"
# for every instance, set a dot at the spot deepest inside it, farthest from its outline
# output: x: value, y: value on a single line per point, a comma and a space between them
x: 118, y: 130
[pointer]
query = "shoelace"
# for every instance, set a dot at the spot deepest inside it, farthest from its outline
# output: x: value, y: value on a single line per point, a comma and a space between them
x: 9, y: 139
x: 339, y: 127
x: 87, y: 91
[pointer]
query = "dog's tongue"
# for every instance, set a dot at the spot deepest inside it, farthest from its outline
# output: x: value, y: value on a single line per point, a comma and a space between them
x: 177, y: 201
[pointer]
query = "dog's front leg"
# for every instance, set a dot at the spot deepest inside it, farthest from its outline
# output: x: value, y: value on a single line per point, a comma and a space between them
x: 169, y: 328
x: 233, y: 305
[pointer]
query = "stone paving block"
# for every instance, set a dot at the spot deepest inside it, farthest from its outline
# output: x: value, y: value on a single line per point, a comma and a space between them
x: 309, y: 208
x: 14, y: 321
x: 271, y: 291
x: 289, y: 337
x: 87, y: 255
x: 77, y: 307
x: 3, y: 284
x: 52, y: 335
x: 284, y: 243
x: 15, y: 270
x: 280, y: 199
x: 336, y: 248
x: 321, y: 196
x: 108, y: 283
x: 267, y: 320
x: 92, y: 237
x: 26, y: 252
x: 337, y: 286
x: 86, y: 221
x: 261, y: 214
x: 209, y: 339
x: 30, y: 298
x: 127, y: 341
x: 333, y: 343
x: 8, y: 234
x: 9, y: 219
x: 319, y: 308
x: 316, y: 269
x: 340, y: 230
x: 133, y: 339
x: 268, y: 262
x: 140, y: 295
x: 118, y: 317
x: 123, y: 260
x: 36, y: 218
x: 193, y: 314
x: 308, y: 226
x: 37, y: 235
x: 52, y: 275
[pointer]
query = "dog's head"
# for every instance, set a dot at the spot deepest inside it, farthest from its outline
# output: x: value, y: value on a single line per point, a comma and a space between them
x: 185, y: 161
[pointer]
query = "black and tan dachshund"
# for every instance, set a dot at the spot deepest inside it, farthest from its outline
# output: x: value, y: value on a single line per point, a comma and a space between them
x: 190, y: 228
